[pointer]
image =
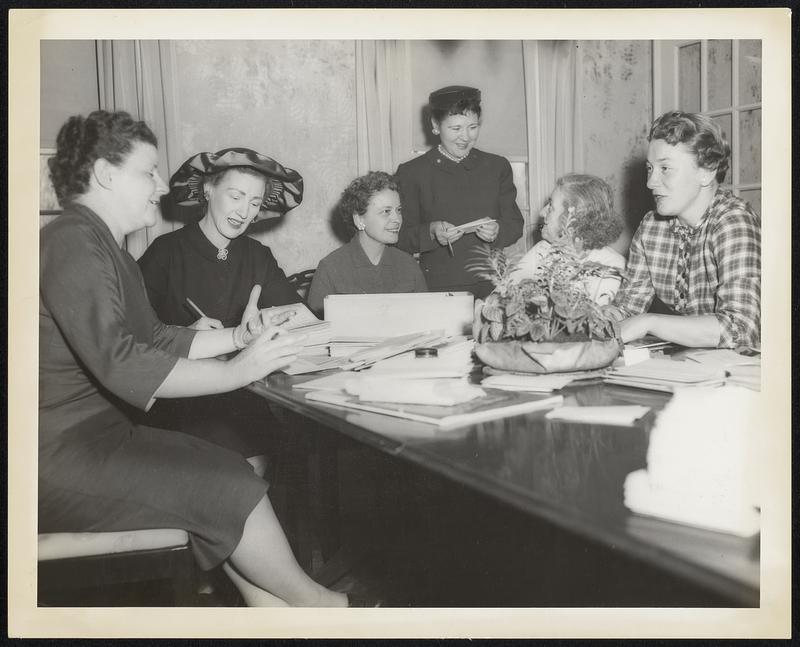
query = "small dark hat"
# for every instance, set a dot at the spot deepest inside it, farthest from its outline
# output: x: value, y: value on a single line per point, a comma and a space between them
x: 284, y: 190
x: 452, y: 94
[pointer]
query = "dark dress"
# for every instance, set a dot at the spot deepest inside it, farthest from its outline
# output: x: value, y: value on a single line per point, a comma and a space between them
x: 433, y: 187
x: 103, y: 352
x: 184, y: 263
x: 348, y: 270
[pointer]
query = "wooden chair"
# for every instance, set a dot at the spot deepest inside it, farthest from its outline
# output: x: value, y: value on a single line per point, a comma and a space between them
x: 70, y: 562
x: 301, y: 281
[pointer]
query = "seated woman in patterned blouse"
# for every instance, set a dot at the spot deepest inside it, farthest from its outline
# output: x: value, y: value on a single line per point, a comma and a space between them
x: 699, y: 252
x: 369, y: 264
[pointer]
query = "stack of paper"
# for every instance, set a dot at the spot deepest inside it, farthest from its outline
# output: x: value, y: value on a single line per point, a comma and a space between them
x: 534, y: 383
x: 297, y: 318
x: 741, y: 370
x: 446, y: 392
x: 365, y: 358
x: 487, y: 407
x: 666, y: 375
x: 390, y: 315
x: 702, y: 461
x: 346, y: 346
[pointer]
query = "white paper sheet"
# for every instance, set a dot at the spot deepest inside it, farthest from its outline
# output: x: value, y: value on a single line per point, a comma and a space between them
x: 622, y: 415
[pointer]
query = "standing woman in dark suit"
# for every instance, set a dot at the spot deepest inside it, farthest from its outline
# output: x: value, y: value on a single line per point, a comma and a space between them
x: 452, y: 184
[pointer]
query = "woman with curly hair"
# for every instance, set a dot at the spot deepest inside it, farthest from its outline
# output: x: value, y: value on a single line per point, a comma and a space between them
x: 580, y: 217
x: 368, y: 264
x: 103, y: 352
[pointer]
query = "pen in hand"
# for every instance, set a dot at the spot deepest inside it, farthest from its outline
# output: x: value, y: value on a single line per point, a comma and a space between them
x: 195, y: 307
x: 449, y: 244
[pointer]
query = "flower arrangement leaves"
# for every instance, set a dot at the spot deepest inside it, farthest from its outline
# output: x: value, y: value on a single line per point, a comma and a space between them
x: 553, y: 306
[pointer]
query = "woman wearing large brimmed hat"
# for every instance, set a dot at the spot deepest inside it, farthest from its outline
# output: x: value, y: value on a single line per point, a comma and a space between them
x: 211, y: 263
x: 452, y: 184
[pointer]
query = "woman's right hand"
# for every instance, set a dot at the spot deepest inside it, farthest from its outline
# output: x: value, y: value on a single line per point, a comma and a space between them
x: 206, y: 323
x: 442, y: 232
x: 271, y: 351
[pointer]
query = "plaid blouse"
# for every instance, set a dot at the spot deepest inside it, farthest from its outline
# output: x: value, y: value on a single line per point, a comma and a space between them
x: 712, y: 268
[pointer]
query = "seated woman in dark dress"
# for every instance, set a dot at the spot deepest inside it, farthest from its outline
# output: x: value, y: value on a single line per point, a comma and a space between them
x: 370, y: 210
x: 211, y: 263
x: 102, y: 351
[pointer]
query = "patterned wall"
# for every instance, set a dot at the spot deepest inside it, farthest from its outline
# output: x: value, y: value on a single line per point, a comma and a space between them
x: 617, y: 113
x: 291, y: 100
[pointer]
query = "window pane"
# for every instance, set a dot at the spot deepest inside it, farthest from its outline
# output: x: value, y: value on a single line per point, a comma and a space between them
x: 719, y: 74
x: 749, y: 71
x: 726, y: 123
x: 753, y: 196
x: 689, y: 78
x: 750, y: 146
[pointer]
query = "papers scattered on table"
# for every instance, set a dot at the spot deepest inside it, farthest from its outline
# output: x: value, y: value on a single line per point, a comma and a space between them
x: 297, y: 318
x: 447, y: 392
x: 533, y: 383
x: 472, y: 226
x: 666, y: 375
x: 622, y: 415
x: 741, y: 370
x: 702, y: 461
x: 364, y: 315
x: 482, y: 409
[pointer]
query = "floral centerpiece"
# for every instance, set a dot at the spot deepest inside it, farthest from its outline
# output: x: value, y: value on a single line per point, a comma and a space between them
x: 547, y: 323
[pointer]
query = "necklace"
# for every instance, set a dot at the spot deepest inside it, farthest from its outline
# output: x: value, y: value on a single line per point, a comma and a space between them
x: 452, y: 158
x: 222, y: 254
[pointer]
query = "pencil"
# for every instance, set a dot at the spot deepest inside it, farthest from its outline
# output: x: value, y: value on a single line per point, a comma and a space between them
x: 194, y: 307
x: 449, y: 244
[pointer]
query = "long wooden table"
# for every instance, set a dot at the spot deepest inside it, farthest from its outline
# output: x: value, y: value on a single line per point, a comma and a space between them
x: 565, y: 474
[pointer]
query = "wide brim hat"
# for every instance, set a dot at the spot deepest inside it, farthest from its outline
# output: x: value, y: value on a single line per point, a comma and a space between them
x: 284, y: 190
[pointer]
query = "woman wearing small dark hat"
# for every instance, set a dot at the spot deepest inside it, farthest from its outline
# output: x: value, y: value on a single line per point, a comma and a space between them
x: 452, y: 184
x: 211, y: 265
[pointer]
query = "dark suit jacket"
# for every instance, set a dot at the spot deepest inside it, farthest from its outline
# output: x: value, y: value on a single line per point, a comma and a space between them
x: 432, y: 187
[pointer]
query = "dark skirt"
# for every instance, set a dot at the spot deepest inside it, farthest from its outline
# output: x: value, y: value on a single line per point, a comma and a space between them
x: 109, y: 475
x: 240, y: 421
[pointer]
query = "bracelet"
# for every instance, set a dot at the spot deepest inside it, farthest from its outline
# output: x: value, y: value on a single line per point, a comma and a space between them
x: 235, y: 342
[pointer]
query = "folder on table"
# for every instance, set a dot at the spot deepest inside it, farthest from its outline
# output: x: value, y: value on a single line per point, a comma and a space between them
x: 389, y: 315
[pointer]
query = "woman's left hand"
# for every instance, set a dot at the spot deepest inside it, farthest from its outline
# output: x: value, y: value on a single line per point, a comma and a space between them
x: 488, y: 231
x: 251, y: 325
x: 635, y: 327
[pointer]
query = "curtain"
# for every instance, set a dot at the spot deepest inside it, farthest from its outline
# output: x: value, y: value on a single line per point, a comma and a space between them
x: 136, y: 76
x: 553, y: 101
x: 383, y: 96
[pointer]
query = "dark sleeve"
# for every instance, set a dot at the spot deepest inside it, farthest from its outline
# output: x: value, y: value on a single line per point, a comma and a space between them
x: 176, y: 340
x: 511, y: 221
x: 154, y: 264
x: 415, y: 234
x: 321, y: 286
x: 81, y: 290
x: 275, y: 287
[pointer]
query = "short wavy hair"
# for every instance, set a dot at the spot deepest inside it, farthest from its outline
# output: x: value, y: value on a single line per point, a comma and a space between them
x: 591, y: 202
x: 82, y: 141
x: 701, y: 135
x: 355, y: 198
x: 461, y: 107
